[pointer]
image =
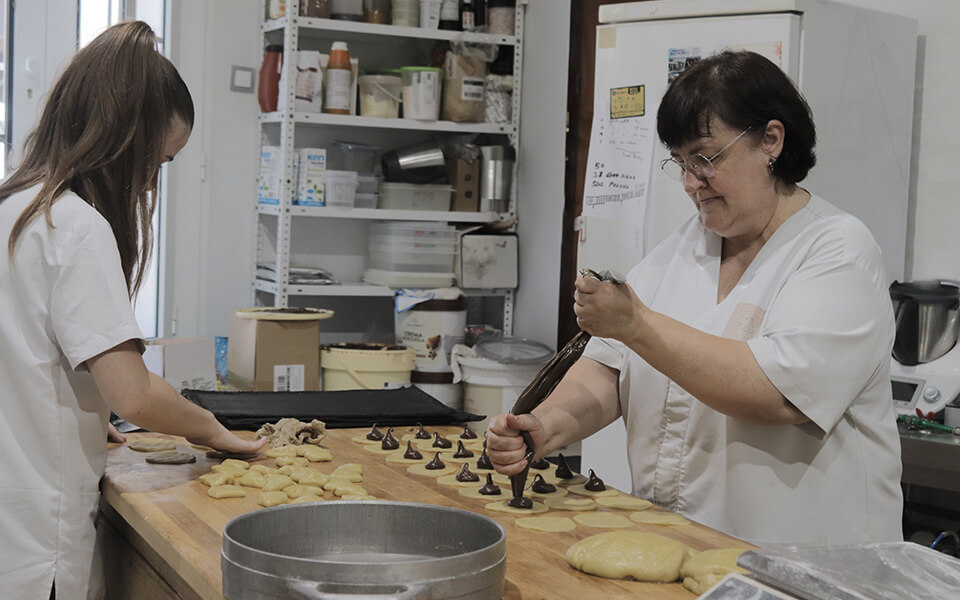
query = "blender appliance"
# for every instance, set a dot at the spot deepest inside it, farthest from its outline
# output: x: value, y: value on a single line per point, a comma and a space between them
x: 925, y: 366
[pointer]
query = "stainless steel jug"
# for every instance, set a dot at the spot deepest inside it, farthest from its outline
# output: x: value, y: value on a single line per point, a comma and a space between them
x: 927, y: 320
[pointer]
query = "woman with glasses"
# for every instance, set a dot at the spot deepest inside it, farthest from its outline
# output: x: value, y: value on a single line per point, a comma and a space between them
x: 748, y: 354
x: 75, y: 223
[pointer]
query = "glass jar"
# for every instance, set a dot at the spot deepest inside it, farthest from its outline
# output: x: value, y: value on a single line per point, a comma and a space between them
x: 376, y: 11
x: 501, y: 17
x: 316, y: 9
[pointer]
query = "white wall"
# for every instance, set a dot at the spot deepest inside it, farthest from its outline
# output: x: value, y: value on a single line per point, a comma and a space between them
x: 933, y: 246
x: 208, y: 225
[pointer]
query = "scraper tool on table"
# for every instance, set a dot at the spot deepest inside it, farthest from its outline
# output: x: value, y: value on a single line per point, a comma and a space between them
x: 537, y: 391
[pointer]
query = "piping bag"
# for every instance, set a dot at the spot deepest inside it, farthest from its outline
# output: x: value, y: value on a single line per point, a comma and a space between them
x: 537, y: 391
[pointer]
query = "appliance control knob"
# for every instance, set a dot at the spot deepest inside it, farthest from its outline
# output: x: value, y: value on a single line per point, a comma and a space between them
x: 931, y: 394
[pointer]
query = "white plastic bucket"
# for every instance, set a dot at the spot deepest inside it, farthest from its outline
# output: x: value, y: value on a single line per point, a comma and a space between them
x: 421, y: 92
x: 491, y: 388
x: 365, y: 366
x: 441, y: 387
x: 380, y: 96
x: 340, y: 188
x: 431, y: 329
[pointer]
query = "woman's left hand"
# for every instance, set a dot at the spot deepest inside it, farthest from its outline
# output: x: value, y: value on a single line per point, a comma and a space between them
x: 605, y: 309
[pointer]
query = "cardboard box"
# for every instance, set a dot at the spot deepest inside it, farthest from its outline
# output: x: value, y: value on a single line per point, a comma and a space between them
x: 488, y: 261
x: 270, y: 175
x: 465, y: 178
x: 265, y: 355
x: 183, y: 362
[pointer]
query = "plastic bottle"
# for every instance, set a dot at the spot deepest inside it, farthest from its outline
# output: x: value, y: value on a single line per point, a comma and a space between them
x: 268, y: 90
x: 338, y: 85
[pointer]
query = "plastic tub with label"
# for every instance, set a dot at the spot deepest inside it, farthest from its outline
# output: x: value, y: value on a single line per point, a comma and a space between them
x: 408, y: 196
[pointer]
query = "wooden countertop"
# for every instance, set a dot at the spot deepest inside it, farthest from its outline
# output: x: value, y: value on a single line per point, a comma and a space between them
x: 172, y: 513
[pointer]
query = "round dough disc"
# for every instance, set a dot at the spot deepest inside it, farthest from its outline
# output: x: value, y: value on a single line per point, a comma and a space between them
x: 546, y: 523
x: 624, y: 502
x: 622, y: 554
x: 422, y: 470
x: 412, y: 437
x: 567, y: 503
x: 361, y: 439
x: 379, y: 450
x: 579, y: 489
x: 452, y: 480
x: 474, y: 492
x: 170, y: 457
x: 576, y: 479
x: 607, y: 520
x: 151, y: 445
x: 658, y: 517
x: 538, y: 496
x: 502, y: 506
x: 399, y: 459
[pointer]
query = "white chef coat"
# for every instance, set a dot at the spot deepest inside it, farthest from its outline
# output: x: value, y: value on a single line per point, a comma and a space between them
x: 64, y: 301
x: 815, y: 311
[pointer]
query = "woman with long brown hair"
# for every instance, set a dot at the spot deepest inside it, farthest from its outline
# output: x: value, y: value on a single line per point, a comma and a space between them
x: 76, y: 215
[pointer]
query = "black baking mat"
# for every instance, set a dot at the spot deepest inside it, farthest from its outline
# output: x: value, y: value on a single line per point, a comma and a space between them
x: 348, y: 408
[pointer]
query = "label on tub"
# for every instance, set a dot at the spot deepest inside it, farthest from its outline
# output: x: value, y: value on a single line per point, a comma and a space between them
x: 288, y: 378
x: 431, y: 335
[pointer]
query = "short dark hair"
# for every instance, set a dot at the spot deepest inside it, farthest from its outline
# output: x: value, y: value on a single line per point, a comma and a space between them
x: 744, y: 90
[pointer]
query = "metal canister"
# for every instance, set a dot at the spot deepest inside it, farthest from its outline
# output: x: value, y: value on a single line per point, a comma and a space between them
x: 496, y: 173
x: 927, y: 320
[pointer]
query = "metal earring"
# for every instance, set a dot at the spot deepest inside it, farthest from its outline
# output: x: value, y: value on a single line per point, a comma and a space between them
x: 770, y: 162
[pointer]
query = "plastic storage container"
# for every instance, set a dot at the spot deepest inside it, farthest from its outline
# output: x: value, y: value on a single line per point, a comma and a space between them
x: 421, y: 92
x: 412, y: 247
x: 408, y: 196
x: 348, y: 156
x: 347, y: 10
x: 364, y: 200
x: 367, y: 184
x: 380, y: 96
x: 341, y: 188
x: 406, y: 13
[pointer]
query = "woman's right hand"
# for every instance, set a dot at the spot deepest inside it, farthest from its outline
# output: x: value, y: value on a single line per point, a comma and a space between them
x: 505, y: 447
x: 226, y: 441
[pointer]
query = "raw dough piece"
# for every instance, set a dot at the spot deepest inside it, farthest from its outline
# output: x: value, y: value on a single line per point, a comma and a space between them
x: 576, y: 480
x: 314, y: 478
x: 452, y: 480
x: 568, y: 503
x: 221, y: 454
x: 281, y: 451
x: 502, y: 506
x: 283, y: 461
x: 379, y: 450
x: 704, y: 569
x: 306, y: 498
x: 263, y: 469
x: 212, y: 479
x: 606, y: 520
x: 622, y: 554
x: 351, y: 467
x: 296, y: 490
x: 292, y: 432
x: 579, y: 489
x: 624, y: 502
x: 231, y: 469
x: 253, y: 479
x: 276, y: 482
x: 151, y: 445
x: 233, y: 462
x: 546, y: 523
x: 421, y: 469
x: 226, y: 491
x: 170, y: 457
x: 358, y: 497
x: 274, y: 498
x: 399, y: 459
x: 340, y: 487
x: 361, y: 439
x: 538, y: 496
x: 658, y: 517
x: 202, y: 448
x: 315, y: 454
x: 474, y: 492
x: 352, y: 475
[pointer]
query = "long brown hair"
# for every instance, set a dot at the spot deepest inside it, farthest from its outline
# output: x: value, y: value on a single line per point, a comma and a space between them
x: 101, y: 136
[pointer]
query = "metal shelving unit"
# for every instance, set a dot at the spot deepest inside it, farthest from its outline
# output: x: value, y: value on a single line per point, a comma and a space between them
x: 294, y: 30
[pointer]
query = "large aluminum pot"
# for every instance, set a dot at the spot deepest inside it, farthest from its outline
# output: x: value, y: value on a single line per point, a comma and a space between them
x: 928, y: 320
x: 363, y: 550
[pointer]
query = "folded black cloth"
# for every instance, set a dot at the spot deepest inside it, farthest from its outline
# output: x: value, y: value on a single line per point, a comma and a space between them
x: 348, y: 408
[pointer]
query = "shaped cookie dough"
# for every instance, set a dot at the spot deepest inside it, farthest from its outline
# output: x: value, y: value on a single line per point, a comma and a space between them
x: 606, y: 520
x: 570, y: 503
x: 307, y: 498
x: 502, y: 506
x: 296, y: 490
x: 658, y: 517
x: 253, y: 479
x: 624, y: 502
x: 212, y: 479
x: 170, y: 457
x: 315, y: 453
x: 276, y: 482
x: 298, y: 461
x: 622, y: 554
x: 226, y: 491
x: 281, y: 451
x: 274, y: 498
x: 151, y: 445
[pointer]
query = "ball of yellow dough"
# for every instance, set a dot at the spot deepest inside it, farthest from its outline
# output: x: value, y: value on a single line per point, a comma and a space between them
x: 622, y: 554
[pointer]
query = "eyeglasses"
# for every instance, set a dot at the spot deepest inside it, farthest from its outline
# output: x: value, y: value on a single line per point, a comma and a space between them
x: 699, y: 165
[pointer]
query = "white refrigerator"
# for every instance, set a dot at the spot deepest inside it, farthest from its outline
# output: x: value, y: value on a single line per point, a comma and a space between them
x: 856, y: 68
